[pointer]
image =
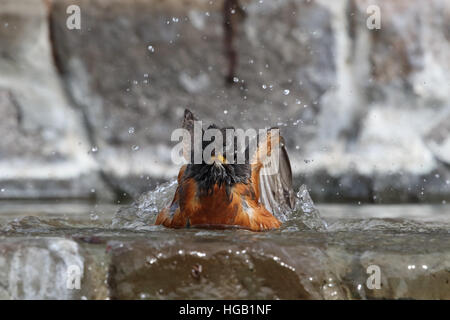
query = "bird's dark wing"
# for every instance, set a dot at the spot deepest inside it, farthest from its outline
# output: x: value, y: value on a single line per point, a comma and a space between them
x: 276, y: 192
x: 271, y: 166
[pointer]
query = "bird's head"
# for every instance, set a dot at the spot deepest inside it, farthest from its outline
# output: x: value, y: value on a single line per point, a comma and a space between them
x: 212, y: 156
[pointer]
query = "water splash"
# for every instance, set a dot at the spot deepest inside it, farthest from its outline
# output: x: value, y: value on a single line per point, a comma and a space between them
x: 306, y: 211
x: 141, y: 215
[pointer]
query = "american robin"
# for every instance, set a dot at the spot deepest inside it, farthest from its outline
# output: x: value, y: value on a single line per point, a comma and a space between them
x: 220, y: 193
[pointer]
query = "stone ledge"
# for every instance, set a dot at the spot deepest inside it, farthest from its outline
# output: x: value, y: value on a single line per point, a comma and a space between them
x: 208, y: 265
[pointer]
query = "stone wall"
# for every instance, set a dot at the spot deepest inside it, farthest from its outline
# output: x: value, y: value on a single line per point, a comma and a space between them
x: 89, y: 113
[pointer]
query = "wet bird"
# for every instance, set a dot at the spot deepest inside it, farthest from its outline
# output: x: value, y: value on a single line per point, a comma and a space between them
x: 220, y: 193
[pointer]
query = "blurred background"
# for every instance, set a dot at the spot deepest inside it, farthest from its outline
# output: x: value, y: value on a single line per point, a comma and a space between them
x: 91, y: 91
x: 88, y: 113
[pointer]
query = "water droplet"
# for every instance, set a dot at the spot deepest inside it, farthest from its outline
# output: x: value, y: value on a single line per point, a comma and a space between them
x: 135, y: 148
x: 2, y: 190
x: 93, y: 190
x: 151, y: 49
x: 225, y: 111
x: 286, y: 92
x: 264, y: 86
x: 144, y: 295
x: 93, y: 216
x: 235, y: 79
x: 131, y: 130
x: 94, y: 149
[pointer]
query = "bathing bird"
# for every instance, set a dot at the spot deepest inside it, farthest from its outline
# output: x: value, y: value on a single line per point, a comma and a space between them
x: 221, y: 192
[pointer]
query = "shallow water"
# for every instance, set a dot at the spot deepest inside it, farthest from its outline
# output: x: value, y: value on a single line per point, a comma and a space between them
x: 44, y: 217
x: 411, y: 243
x: 398, y: 228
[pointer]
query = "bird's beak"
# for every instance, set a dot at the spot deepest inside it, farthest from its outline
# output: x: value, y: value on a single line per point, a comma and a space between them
x: 218, y: 159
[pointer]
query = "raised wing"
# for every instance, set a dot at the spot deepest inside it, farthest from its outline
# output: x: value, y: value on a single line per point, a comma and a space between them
x: 271, y: 170
x: 276, y: 192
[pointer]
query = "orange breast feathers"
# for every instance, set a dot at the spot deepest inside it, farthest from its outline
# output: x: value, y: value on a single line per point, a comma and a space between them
x: 216, y: 210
